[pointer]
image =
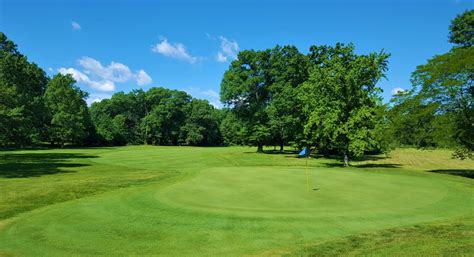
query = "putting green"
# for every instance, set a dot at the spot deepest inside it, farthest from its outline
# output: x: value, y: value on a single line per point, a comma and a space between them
x: 284, y: 191
x: 247, y: 204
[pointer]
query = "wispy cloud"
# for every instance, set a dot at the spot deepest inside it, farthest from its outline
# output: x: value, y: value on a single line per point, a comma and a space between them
x: 173, y: 50
x: 398, y: 90
x: 75, y: 25
x: 208, y: 94
x: 228, y: 49
x: 142, y: 78
x: 103, y: 78
x: 94, y: 98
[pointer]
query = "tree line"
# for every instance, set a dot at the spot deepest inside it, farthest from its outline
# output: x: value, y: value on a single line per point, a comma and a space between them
x: 327, y: 99
x: 35, y: 109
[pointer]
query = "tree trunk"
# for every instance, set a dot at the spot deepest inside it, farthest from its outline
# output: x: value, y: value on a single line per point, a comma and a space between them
x: 346, y: 160
x: 260, y: 148
x: 281, y: 146
x: 145, y: 141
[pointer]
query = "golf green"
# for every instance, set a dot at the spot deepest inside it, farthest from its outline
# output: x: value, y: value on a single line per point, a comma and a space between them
x: 215, y: 202
x: 312, y: 192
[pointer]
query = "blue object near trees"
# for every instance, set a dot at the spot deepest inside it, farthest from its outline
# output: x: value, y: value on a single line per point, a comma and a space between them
x: 304, y: 152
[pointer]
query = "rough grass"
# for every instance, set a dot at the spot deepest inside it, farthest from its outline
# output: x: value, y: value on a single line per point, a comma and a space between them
x: 177, y: 201
x: 453, y: 238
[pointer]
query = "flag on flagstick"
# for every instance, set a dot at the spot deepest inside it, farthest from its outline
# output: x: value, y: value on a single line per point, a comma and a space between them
x: 305, y: 153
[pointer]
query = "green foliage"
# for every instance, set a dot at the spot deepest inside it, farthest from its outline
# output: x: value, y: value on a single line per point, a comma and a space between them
x: 447, y: 81
x: 201, y: 125
x: 439, y: 110
x: 70, y: 120
x: 261, y: 89
x: 462, y: 29
x: 22, y: 84
x: 288, y: 70
x: 159, y: 116
x: 245, y: 87
x: 340, y: 98
x: 232, y: 129
x: 415, y: 122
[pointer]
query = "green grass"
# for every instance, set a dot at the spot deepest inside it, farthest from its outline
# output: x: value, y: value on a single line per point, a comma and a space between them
x: 176, y: 201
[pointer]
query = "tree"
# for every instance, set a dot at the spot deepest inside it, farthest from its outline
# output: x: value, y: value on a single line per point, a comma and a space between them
x: 415, y: 122
x: 68, y: 111
x: 232, y: 130
x: 245, y: 89
x: 462, y: 29
x: 201, y: 125
x: 288, y: 70
x: 111, y: 130
x: 22, y: 84
x: 447, y: 81
x: 340, y: 98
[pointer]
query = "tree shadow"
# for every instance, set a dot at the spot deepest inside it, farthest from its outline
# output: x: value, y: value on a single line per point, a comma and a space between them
x: 284, y: 152
x: 467, y: 173
x: 363, y: 166
x: 378, y: 165
x: 14, y: 165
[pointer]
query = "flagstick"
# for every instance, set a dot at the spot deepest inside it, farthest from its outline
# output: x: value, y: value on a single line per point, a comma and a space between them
x: 307, y: 177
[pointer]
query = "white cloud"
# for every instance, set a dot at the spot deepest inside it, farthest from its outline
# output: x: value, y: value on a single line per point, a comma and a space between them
x: 77, y: 75
x: 115, y: 71
x: 398, y: 90
x: 94, y: 98
x: 75, y: 25
x: 142, y: 78
x: 209, y: 94
x: 220, y: 57
x: 101, y: 85
x: 103, y: 78
x: 229, y: 49
x: 176, y: 50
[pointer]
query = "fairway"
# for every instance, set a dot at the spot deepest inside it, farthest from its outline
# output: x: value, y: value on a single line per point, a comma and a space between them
x: 168, y: 201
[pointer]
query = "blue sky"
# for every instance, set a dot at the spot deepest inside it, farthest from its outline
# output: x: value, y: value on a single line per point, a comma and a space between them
x: 112, y: 46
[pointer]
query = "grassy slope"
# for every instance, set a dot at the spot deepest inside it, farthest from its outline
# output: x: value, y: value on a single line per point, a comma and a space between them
x: 207, y: 213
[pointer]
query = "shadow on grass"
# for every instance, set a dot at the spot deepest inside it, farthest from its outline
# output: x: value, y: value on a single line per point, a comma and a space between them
x: 287, y: 152
x: 378, y: 165
x: 339, y: 164
x: 467, y: 173
x: 38, y: 164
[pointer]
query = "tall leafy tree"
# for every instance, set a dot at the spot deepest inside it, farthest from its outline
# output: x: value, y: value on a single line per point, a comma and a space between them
x: 340, y: 98
x: 70, y: 120
x: 22, y: 84
x: 201, y: 125
x: 447, y: 80
x: 245, y: 89
x: 288, y: 70
x: 168, y: 114
x: 111, y: 130
x: 232, y: 129
x: 462, y: 29
x: 415, y: 122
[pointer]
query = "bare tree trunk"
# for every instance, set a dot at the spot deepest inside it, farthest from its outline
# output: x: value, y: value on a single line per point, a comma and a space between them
x: 260, y: 148
x: 281, y: 146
